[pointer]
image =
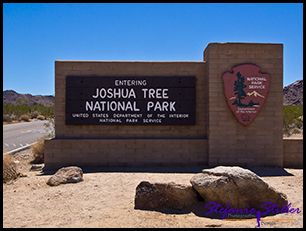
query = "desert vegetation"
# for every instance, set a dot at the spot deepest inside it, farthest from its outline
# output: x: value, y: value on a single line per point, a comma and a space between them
x: 9, y: 169
x: 292, y: 119
x: 21, y: 111
x: 38, y: 151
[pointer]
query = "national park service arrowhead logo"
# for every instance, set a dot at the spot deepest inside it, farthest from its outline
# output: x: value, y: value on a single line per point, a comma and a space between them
x: 246, y: 91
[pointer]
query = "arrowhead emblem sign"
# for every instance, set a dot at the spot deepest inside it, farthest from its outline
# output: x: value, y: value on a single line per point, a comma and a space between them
x: 246, y: 90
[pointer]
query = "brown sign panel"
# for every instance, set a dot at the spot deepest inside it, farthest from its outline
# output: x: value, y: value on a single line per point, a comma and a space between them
x: 130, y: 100
x: 246, y: 91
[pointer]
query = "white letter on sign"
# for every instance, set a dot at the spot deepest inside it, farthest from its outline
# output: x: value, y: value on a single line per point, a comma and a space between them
x: 172, y: 108
x: 149, y: 105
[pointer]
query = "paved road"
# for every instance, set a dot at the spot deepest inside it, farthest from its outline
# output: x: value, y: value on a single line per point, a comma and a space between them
x: 22, y: 134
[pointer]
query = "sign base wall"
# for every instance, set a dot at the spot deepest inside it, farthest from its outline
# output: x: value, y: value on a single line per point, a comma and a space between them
x: 216, y: 137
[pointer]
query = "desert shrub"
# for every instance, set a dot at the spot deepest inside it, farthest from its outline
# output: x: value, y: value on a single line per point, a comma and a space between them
x: 292, y: 112
x: 34, y: 114
x: 24, y: 117
x: 296, y: 130
x: 13, y: 117
x: 38, y: 151
x: 298, y: 122
x: 7, y: 118
x: 50, y: 127
x: 40, y: 117
x: 9, y: 169
x: 21, y: 108
x: 292, y: 118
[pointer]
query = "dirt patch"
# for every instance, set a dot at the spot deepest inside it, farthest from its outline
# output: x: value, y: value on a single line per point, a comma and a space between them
x: 106, y: 199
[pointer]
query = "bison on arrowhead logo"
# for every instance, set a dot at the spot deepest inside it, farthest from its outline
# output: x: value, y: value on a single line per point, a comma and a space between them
x: 246, y: 91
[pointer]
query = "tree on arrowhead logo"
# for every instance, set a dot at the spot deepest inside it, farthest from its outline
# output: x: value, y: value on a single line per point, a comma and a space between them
x: 246, y: 91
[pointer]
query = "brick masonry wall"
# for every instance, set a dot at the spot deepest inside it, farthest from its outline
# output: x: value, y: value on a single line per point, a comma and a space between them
x: 125, y: 152
x: 105, y: 145
x: 216, y: 139
x: 261, y: 142
x: 293, y: 153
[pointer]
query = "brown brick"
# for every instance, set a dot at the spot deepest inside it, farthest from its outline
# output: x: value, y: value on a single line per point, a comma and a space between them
x: 217, y: 122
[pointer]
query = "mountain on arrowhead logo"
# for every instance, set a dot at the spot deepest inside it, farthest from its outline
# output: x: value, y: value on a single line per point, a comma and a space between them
x: 246, y: 90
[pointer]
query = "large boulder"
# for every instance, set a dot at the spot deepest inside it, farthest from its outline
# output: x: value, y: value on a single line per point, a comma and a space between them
x: 237, y: 186
x: 164, y: 195
x: 65, y: 175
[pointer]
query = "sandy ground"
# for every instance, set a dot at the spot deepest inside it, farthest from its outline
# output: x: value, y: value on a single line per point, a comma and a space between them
x: 106, y: 199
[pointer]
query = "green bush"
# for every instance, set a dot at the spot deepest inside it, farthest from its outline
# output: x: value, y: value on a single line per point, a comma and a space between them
x: 298, y: 122
x: 292, y: 118
x: 7, y: 118
x: 13, y: 117
x: 21, y: 108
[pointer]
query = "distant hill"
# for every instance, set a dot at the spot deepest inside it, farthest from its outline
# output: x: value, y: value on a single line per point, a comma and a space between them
x: 10, y: 96
x: 293, y: 93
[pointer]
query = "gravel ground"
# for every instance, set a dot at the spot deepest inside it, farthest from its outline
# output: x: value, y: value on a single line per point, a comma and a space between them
x: 106, y: 199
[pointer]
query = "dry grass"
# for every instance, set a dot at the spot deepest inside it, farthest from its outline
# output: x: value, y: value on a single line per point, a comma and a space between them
x: 38, y: 151
x: 41, y: 117
x: 24, y: 117
x: 9, y: 169
x: 34, y: 114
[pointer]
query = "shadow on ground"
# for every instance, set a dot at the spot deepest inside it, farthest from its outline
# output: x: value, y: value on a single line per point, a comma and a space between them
x: 260, y: 171
x: 200, y: 210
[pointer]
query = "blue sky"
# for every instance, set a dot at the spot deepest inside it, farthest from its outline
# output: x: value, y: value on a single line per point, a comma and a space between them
x: 35, y: 35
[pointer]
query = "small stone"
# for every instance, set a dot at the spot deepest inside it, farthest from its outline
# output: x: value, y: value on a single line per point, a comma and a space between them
x: 65, y: 175
x: 37, y: 167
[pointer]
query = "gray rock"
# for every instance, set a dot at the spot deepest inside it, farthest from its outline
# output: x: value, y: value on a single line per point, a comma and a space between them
x: 293, y: 93
x: 65, y: 175
x: 237, y: 186
x: 164, y: 195
x: 37, y: 167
